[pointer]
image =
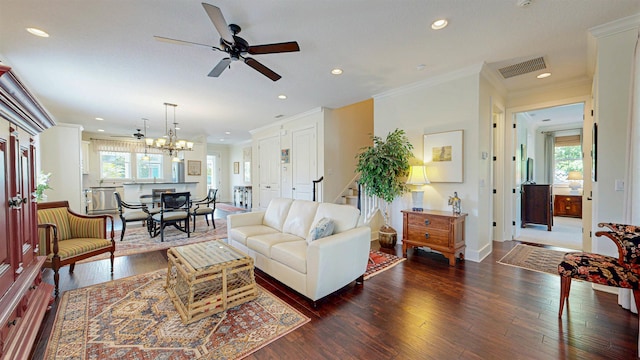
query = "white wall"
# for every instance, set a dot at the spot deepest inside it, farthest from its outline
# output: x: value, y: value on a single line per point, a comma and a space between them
x: 60, y: 155
x: 444, y: 104
x: 611, y: 106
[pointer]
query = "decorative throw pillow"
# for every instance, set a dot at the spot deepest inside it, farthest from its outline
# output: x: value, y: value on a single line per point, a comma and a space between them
x: 324, y: 227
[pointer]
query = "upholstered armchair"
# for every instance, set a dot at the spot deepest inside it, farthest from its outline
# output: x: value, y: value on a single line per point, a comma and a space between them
x: 622, y: 272
x: 67, y: 237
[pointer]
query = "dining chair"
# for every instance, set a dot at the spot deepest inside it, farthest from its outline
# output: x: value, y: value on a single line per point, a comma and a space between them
x: 137, y: 212
x: 174, y: 210
x: 205, y: 207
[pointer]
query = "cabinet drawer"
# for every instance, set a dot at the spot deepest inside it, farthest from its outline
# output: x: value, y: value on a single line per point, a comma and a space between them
x: 417, y: 234
x: 432, y: 222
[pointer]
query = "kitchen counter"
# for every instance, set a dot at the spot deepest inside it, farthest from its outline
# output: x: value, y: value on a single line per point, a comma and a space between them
x: 160, y: 183
x: 133, y: 191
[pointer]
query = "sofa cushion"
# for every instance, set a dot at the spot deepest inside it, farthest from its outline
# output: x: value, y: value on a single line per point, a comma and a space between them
x: 263, y: 243
x: 345, y: 217
x: 300, y: 217
x: 323, y: 228
x: 75, y: 247
x: 240, y: 234
x: 292, y: 254
x: 276, y: 213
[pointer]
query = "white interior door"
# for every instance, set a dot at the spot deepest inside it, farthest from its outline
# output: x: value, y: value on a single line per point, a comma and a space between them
x: 268, y: 169
x: 303, y: 162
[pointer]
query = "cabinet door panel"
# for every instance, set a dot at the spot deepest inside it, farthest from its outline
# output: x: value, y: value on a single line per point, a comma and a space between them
x: 6, y: 270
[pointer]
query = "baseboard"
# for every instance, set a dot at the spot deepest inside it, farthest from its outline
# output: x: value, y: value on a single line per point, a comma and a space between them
x: 479, y: 255
x: 604, y: 288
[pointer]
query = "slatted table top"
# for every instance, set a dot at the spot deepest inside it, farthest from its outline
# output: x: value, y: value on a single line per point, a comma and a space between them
x: 201, y: 256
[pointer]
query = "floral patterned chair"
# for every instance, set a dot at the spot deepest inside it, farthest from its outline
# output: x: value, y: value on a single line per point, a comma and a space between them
x: 622, y: 272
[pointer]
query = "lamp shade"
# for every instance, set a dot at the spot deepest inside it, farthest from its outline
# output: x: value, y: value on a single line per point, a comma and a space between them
x: 417, y: 175
x: 574, y: 175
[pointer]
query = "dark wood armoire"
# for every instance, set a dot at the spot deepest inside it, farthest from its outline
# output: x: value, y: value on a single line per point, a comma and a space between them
x: 536, y: 205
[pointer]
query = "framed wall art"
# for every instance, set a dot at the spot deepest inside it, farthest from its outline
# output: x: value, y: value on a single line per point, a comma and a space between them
x: 193, y: 168
x: 236, y: 167
x: 444, y: 156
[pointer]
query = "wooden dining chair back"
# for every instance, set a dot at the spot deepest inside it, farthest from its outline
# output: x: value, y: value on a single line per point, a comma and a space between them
x: 174, y: 211
x: 129, y: 212
x: 67, y: 237
x: 205, y: 207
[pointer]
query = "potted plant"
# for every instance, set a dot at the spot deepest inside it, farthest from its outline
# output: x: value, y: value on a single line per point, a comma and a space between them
x: 383, y: 168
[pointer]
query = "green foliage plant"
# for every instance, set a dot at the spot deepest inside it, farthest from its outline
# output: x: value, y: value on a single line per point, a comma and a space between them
x: 384, y: 166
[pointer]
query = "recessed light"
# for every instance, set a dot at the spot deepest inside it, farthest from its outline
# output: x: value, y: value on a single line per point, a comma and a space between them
x: 282, y: 96
x: 100, y: 130
x: 543, y: 75
x: 221, y: 139
x: 177, y: 128
x: 99, y: 119
x: 439, y: 24
x: 336, y: 71
x: 421, y: 67
x: 38, y: 32
x: 227, y: 132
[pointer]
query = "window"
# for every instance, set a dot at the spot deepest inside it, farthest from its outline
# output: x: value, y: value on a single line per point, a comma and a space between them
x: 115, y: 165
x: 149, y: 169
x: 567, y: 157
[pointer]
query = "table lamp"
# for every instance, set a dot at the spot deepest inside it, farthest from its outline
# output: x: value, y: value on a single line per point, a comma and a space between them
x: 575, y: 177
x: 418, y: 177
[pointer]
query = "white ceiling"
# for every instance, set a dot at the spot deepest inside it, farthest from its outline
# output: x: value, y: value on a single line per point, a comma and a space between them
x: 101, y: 59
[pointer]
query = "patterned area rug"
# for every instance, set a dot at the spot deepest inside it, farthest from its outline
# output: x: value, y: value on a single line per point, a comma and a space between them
x: 230, y: 208
x: 134, y: 318
x: 380, y: 262
x: 534, y: 258
x: 137, y: 240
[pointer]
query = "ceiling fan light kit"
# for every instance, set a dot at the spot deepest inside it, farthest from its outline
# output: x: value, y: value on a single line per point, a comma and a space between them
x: 237, y: 47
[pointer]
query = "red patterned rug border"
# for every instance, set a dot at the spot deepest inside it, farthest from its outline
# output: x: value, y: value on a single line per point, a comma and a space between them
x: 66, y: 303
x: 376, y: 269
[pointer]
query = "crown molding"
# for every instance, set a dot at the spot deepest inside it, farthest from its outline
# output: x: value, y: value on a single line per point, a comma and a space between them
x: 617, y: 26
x: 431, y: 82
x: 281, y: 122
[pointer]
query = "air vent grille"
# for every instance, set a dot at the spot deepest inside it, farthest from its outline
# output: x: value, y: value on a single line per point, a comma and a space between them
x: 523, y: 67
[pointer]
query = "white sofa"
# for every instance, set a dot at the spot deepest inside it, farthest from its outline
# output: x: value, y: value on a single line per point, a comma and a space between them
x: 277, y: 241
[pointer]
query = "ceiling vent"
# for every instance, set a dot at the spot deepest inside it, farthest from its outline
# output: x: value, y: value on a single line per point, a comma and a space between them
x: 524, y: 67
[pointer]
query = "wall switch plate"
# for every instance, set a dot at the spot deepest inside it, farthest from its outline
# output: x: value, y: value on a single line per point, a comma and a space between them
x: 619, y: 185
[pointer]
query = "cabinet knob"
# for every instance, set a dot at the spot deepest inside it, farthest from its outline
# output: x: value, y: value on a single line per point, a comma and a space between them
x: 427, y: 222
x: 426, y: 235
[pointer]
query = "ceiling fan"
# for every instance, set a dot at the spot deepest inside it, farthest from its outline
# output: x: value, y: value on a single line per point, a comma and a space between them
x: 236, y: 46
x: 138, y: 134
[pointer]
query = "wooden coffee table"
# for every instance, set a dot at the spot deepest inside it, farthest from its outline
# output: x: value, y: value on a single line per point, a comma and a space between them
x: 206, y: 278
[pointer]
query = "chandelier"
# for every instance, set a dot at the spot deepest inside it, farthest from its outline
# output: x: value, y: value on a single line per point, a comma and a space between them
x: 170, y: 142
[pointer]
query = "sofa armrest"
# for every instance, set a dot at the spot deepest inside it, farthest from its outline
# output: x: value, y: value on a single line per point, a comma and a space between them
x: 245, y: 219
x: 337, y: 260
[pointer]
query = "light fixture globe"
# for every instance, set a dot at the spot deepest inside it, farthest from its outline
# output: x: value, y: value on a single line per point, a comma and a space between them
x: 169, y: 142
x: 417, y: 177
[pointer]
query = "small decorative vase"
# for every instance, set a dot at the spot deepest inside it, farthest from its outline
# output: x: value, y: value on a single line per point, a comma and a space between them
x: 388, y: 237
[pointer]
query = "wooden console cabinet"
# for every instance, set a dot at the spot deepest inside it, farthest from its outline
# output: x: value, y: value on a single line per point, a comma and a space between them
x: 536, y: 205
x: 441, y: 231
x: 567, y: 205
x: 24, y: 298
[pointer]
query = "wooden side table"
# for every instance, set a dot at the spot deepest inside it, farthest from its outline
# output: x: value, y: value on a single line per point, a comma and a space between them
x: 441, y: 231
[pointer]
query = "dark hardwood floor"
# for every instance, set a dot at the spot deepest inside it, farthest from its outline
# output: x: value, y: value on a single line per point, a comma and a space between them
x: 424, y: 309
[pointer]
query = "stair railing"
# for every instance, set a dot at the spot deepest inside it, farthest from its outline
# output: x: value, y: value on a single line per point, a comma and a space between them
x: 368, y: 204
x: 315, y: 183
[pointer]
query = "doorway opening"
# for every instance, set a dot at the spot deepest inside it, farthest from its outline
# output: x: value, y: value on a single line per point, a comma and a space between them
x: 213, y: 171
x: 549, y: 152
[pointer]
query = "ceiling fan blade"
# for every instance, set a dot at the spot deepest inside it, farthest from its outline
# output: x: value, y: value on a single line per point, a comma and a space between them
x: 179, y: 42
x: 262, y: 69
x: 290, y: 46
x: 220, y: 67
x: 219, y: 22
